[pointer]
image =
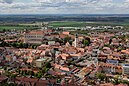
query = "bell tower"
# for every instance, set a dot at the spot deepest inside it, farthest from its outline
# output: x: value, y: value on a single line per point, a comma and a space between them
x: 76, y: 39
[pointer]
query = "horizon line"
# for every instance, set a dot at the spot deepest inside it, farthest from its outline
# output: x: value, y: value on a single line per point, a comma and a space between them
x: 68, y: 14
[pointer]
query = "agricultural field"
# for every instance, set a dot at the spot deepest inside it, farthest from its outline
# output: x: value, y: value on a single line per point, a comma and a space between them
x: 83, y: 24
x: 67, y: 24
x: 17, y: 27
x: 62, y: 24
x: 10, y: 27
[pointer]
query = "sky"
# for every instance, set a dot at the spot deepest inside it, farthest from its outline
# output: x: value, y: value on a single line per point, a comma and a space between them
x: 64, y: 6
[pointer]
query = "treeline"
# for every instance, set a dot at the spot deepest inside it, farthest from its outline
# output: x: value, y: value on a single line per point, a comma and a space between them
x: 39, y: 18
x: 18, y: 45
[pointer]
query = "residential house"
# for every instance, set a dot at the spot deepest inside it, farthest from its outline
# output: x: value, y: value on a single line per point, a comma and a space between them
x: 114, y: 62
x: 110, y: 68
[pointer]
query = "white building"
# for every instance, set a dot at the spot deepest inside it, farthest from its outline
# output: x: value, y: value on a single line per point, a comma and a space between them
x: 51, y: 42
x: 77, y: 41
x: 40, y: 62
x: 125, y: 69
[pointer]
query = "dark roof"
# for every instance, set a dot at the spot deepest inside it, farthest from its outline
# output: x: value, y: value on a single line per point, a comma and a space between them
x: 34, y: 81
x: 2, y: 78
x: 112, y: 61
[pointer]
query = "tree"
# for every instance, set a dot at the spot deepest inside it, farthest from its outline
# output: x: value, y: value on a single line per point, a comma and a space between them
x: 125, y: 82
x: 4, y: 44
x: 48, y: 65
x: 21, y: 45
x: 106, y: 45
x: 39, y: 75
x: 67, y: 39
x: 91, y: 82
x: 25, y: 45
x: 32, y: 73
x: 101, y: 76
x: 110, y: 41
x: 13, y: 44
x: 7, y: 84
x: 4, y: 30
x: 34, y: 46
x: 116, y: 80
x: 85, y: 42
x: 58, y: 40
x: 13, y: 76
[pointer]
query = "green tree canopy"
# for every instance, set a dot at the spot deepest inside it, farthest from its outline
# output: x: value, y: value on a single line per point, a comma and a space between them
x: 101, y: 76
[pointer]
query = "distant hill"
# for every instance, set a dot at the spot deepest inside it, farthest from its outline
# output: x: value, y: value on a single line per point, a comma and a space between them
x: 30, y: 18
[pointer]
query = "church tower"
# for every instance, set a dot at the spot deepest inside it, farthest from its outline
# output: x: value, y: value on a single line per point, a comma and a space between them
x: 76, y: 40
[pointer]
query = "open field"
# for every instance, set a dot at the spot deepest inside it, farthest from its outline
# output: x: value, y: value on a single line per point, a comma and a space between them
x: 64, y: 24
x: 11, y: 27
x: 67, y: 24
x: 19, y: 22
x: 18, y: 27
x: 83, y: 24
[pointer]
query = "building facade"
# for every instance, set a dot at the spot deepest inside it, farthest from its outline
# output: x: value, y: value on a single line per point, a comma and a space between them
x: 35, y: 36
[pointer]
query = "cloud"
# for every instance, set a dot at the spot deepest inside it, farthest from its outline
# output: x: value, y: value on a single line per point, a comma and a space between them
x: 127, y: 1
x: 50, y: 1
x: 6, y: 1
x: 68, y: 1
x: 64, y: 6
x: 41, y: 1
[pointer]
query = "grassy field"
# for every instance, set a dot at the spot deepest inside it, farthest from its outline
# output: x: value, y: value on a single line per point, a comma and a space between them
x: 67, y: 24
x: 10, y: 27
x: 64, y: 24
x: 20, y: 27
x: 82, y: 24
